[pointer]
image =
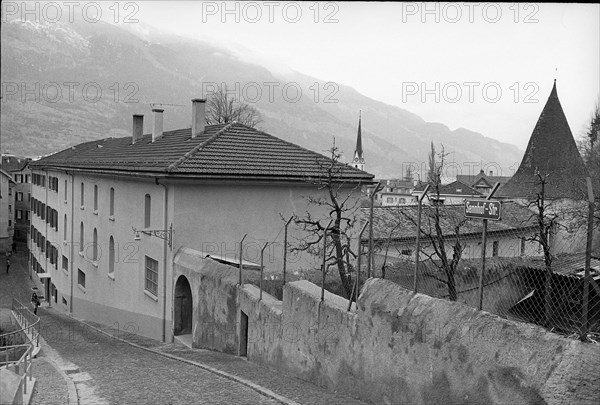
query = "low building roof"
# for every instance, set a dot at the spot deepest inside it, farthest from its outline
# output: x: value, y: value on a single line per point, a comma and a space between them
x: 222, y: 151
x: 395, y: 222
x: 457, y: 188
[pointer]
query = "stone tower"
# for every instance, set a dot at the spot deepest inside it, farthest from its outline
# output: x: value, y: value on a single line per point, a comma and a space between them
x: 551, y: 152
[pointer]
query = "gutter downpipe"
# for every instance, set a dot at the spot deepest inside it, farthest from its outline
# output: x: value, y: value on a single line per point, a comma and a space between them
x: 72, y: 227
x: 164, y: 310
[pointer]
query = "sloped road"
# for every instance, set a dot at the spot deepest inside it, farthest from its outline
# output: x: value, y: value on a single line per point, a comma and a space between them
x: 108, y: 371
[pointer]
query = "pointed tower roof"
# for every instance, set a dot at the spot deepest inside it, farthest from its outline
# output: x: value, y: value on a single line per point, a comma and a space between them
x: 551, y: 151
x: 358, y: 152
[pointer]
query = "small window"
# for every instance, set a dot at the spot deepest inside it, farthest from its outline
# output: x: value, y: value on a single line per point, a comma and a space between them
x: 151, y: 284
x: 64, y: 301
x: 81, y: 278
x: 65, y: 189
x: 95, y: 197
x: 19, y: 196
x: 65, y: 228
x: 81, y: 239
x: 95, y: 246
x: 82, y: 194
x: 147, y: 210
x: 112, y: 202
x: 495, y: 248
x: 111, y: 255
x: 65, y: 263
x: 19, y: 214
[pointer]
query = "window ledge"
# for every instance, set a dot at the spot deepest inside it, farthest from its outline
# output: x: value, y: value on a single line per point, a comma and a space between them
x: 66, y: 202
x: 111, y: 276
x: 95, y: 264
x: 81, y: 287
x: 65, y: 242
x: 81, y: 253
x: 81, y: 208
x: 95, y: 212
x: 66, y: 271
x: 149, y: 294
x: 111, y: 218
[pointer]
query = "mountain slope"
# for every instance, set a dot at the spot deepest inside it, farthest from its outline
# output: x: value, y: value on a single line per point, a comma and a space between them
x: 72, y: 63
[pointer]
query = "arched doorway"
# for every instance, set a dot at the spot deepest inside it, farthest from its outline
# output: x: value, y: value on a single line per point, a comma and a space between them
x: 183, y: 307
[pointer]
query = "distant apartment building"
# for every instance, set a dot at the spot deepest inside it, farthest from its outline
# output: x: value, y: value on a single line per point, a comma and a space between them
x: 7, y: 213
x: 482, y: 182
x: 395, y: 192
x: 108, y: 216
x: 18, y: 168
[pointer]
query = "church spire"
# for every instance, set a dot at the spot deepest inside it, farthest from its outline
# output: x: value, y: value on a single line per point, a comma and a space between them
x: 359, y: 160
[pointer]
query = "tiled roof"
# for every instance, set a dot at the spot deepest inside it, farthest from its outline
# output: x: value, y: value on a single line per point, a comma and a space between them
x: 221, y: 151
x: 455, y: 188
x: 10, y: 179
x: 14, y: 163
x: 386, y: 219
x: 552, y: 151
x: 572, y: 264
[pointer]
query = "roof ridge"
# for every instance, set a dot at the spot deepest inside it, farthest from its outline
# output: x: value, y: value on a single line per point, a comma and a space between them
x: 198, y: 147
x: 351, y: 168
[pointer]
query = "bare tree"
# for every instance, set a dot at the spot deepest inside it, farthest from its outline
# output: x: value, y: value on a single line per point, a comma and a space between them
x: 222, y: 108
x: 547, y: 219
x: 341, y: 210
x: 590, y: 151
x: 433, y: 232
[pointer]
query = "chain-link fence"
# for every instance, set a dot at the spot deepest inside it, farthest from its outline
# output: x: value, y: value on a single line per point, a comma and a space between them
x: 535, y: 262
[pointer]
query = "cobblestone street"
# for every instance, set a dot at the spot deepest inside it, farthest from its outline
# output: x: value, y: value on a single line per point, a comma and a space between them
x: 104, y: 370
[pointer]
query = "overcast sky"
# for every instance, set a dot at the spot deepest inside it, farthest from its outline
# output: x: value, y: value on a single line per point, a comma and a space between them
x: 409, y: 54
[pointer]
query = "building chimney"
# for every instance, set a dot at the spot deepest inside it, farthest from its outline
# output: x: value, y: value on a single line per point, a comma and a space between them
x: 157, y: 127
x: 198, y: 116
x: 138, y: 127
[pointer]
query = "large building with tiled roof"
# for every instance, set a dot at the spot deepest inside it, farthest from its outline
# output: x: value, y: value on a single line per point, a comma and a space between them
x: 203, y: 188
x: 551, y: 152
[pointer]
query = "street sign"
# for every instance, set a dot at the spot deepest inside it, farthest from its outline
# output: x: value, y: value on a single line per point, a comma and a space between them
x: 483, y: 209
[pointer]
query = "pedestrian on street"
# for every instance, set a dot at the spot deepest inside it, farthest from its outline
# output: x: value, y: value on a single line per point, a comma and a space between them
x: 35, y: 301
x: 7, y: 264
